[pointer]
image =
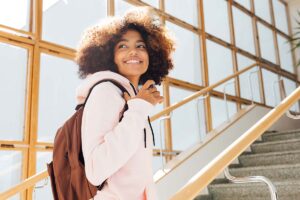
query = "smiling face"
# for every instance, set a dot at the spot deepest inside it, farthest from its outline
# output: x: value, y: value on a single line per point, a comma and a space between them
x: 131, y: 56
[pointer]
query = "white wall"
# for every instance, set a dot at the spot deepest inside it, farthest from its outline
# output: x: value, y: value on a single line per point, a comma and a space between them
x: 294, y: 6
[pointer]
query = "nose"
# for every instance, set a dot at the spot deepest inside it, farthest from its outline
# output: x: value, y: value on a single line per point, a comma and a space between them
x: 133, y: 52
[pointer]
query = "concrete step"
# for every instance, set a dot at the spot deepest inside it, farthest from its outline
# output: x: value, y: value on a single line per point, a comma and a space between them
x: 287, y: 190
x: 285, y: 135
x: 273, y: 172
x: 273, y: 146
x: 204, y: 197
x: 271, y: 158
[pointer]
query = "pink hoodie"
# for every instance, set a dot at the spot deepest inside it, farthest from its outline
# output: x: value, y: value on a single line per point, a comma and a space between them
x: 115, y: 150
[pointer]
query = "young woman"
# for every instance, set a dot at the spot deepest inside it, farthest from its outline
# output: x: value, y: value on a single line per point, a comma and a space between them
x: 133, y: 50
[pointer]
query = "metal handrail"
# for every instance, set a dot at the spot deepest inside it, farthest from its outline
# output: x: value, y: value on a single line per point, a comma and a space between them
x: 250, y: 84
x: 160, y: 134
x: 37, y: 177
x: 253, y: 179
x: 225, y: 98
x: 198, y: 114
x: 247, y: 179
x: 288, y: 113
x: 207, y: 174
x: 199, y: 93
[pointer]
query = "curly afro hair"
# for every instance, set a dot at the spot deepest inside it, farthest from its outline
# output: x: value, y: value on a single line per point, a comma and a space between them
x: 96, y: 49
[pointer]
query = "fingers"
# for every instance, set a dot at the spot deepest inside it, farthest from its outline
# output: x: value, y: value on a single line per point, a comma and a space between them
x: 158, y: 98
x: 147, y: 84
x: 152, y: 89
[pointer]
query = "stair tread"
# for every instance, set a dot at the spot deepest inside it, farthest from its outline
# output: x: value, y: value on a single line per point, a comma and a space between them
x: 283, y: 174
x: 281, y: 132
x: 262, y: 143
x: 269, y: 153
x: 260, y: 167
x: 276, y: 183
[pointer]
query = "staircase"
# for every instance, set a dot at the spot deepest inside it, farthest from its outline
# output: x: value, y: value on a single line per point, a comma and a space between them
x: 276, y: 157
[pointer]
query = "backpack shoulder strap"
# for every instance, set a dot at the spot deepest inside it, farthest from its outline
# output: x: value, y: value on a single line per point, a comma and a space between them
x: 116, y: 83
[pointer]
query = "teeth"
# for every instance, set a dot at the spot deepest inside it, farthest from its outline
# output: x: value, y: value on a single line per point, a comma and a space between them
x: 132, y: 62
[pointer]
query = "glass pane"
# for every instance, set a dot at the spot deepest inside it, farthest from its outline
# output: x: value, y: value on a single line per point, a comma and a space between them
x: 186, y: 63
x: 245, y: 3
x: 188, y: 125
x: 64, y: 21
x: 271, y: 88
x: 280, y: 16
x: 289, y: 87
x: 154, y: 3
x: 157, y: 164
x: 121, y: 7
x: 188, y: 14
x: 158, y: 128
x: 218, y: 111
x: 247, y: 78
x: 262, y: 9
x: 58, y: 82
x: 285, y: 53
x: 243, y: 30
x: 216, y: 18
x: 266, y: 43
x: 15, y: 13
x: 13, y: 91
x: 42, y: 189
x: 221, y: 67
x: 11, y: 170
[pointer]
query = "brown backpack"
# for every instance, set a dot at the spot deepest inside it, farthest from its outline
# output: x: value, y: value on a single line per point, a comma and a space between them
x: 66, y: 171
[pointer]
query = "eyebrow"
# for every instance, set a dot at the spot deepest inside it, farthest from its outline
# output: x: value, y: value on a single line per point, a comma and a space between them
x: 125, y: 40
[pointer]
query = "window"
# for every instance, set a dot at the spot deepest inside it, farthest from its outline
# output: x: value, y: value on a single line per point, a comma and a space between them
x: 271, y: 88
x: 243, y: 30
x: 219, y: 65
x: 121, y: 7
x: 11, y: 169
x: 15, y: 13
x: 188, y: 122
x: 42, y: 189
x: 266, y: 43
x: 65, y: 21
x: 285, y: 54
x: 14, y: 72
x: 187, y: 55
x: 56, y: 95
x: 247, y: 78
x: 262, y: 9
x: 188, y: 14
x: 218, y: 111
x: 216, y: 19
x: 280, y: 16
x: 289, y: 87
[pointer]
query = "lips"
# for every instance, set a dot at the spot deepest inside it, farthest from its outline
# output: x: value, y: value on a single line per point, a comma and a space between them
x: 133, y: 61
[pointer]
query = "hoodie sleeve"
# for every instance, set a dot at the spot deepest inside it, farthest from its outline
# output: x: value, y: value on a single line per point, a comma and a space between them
x: 108, y: 144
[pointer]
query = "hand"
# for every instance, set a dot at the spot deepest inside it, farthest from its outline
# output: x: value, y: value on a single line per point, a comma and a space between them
x: 148, y: 92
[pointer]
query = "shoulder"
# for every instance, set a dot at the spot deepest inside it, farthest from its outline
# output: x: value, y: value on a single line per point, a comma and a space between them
x: 106, y: 93
x: 107, y: 88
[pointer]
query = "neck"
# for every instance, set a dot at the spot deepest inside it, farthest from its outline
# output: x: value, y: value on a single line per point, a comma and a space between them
x: 134, y: 82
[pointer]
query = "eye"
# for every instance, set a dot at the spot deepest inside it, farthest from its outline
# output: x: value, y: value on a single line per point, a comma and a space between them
x: 142, y: 46
x: 122, y: 46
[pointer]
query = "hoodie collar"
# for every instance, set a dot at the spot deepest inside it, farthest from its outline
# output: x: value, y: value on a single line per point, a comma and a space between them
x: 83, y: 89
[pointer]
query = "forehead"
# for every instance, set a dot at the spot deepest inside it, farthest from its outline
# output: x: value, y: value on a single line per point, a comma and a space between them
x: 131, y: 35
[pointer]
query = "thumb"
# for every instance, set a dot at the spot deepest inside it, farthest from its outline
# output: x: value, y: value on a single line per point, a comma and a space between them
x: 126, y: 96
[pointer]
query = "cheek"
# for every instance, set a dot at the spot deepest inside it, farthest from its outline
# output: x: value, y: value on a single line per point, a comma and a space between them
x: 117, y: 58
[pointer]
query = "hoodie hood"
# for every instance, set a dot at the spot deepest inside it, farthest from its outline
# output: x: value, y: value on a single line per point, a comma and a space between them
x: 84, y: 88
